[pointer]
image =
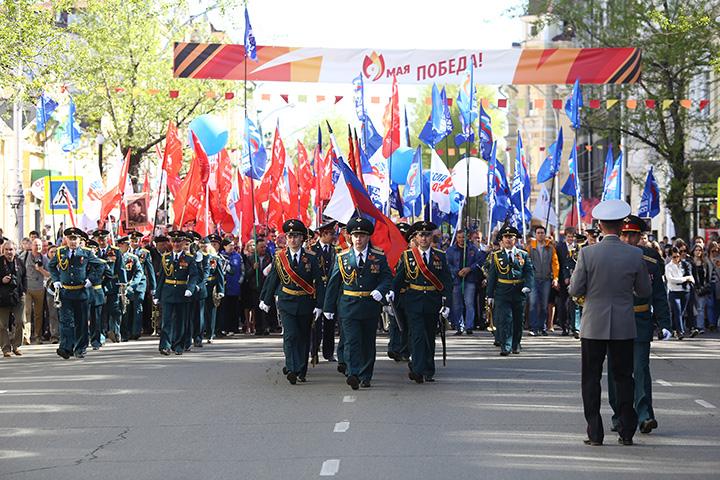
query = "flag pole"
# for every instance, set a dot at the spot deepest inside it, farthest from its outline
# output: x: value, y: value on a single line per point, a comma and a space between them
x: 297, y: 181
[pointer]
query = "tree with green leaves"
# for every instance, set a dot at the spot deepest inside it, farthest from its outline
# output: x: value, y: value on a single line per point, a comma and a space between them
x: 121, y: 67
x: 680, y: 47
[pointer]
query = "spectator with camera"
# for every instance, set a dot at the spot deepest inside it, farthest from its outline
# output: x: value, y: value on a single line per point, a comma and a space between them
x: 35, y: 264
x: 13, y: 284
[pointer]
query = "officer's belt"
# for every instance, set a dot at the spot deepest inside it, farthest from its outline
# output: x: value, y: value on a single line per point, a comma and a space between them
x: 352, y: 293
x: 641, y: 308
x: 297, y: 293
x: 211, y: 278
x: 73, y: 287
x: 422, y: 288
x: 97, y: 287
x: 176, y: 282
x: 508, y: 281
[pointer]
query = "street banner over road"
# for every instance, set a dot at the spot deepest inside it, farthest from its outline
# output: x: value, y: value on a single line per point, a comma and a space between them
x: 335, y: 65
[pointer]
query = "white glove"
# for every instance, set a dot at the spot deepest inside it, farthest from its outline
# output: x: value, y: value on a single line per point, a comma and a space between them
x: 220, y: 295
x: 88, y: 283
x: 377, y: 296
x: 666, y: 334
x: 525, y: 290
x: 329, y: 315
x: 264, y: 306
x: 491, y: 302
x: 317, y: 313
x: 445, y: 312
x: 266, y: 270
x: 57, y: 286
x: 155, y: 301
x: 188, y: 293
x: 198, y: 257
x: 390, y: 296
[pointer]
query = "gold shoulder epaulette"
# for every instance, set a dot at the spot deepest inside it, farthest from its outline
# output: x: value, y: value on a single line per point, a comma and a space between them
x: 438, y: 250
x: 649, y: 259
x: 377, y: 250
x: 63, y: 247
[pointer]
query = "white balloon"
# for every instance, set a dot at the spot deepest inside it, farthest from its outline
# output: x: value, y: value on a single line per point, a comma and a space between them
x: 478, y: 176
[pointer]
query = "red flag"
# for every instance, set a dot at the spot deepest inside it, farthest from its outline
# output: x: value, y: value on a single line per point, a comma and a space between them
x: 191, y: 193
x: 358, y: 164
x: 275, y: 211
x: 247, y: 208
x: 306, y: 181
x: 113, y: 196
x: 391, y: 122
x: 203, y: 221
x: 326, y: 184
x: 275, y: 171
x: 351, y: 151
x: 172, y: 158
x: 219, y: 195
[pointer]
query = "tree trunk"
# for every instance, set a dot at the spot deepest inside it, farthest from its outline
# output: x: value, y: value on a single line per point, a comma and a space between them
x: 676, y: 197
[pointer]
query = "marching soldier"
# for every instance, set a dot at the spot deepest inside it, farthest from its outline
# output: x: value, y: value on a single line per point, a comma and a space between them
x: 296, y: 281
x: 215, y: 287
x: 574, y: 304
x: 649, y: 311
x: 134, y: 291
x: 70, y: 269
x: 423, y: 271
x: 510, y: 273
x: 359, y: 280
x: 196, y: 318
x: 149, y: 270
x: 325, y: 252
x: 179, y: 276
x: 96, y: 299
x: 112, y: 310
x: 398, y: 341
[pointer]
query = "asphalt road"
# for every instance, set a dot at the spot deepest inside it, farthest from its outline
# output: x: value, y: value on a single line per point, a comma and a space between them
x: 227, y: 412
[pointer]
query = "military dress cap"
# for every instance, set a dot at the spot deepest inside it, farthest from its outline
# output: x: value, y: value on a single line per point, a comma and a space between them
x: 633, y: 223
x: 592, y: 231
x: 226, y: 242
x: 360, y: 225
x: 192, y: 235
x: 161, y: 238
x: 580, y: 239
x: 421, y: 226
x: 214, y: 238
x: 328, y: 225
x: 404, y: 229
x: 205, y: 241
x: 611, y: 210
x: 508, y: 230
x: 124, y: 239
x: 73, y: 231
x: 177, y: 236
x: 136, y: 234
x: 92, y: 243
x: 294, y: 226
x: 100, y: 233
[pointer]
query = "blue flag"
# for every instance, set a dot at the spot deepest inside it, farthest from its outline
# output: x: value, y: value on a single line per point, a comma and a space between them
x: 71, y: 136
x: 44, y: 109
x: 551, y: 166
x: 499, y: 198
x: 650, y: 201
x: 521, y: 179
x: 359, y: 98
x: 612, y: 190
x: 254, y: 157
x: 372, y: 137
x: 572, y: 185
x: 413, y: 192
x: 440, y: 124
x: 466, y: 105
x: 574, y: 104
x: 395, y: 198
x: 249, y: 40
x: 486, y: 136
x: 609, y: 164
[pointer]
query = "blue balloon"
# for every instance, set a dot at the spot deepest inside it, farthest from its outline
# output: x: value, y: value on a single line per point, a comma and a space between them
x: 400, y: 162
x: 211, y: 133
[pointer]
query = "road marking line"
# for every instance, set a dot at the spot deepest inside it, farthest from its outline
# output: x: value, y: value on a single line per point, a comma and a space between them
x: 349, y: 398
x: 705, y: 404
x: 3, y: 391
x: 341, y: 427
x: 664, y: 383
x: 330, y: 467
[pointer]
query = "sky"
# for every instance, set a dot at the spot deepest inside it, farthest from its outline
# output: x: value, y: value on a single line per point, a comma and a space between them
x: 381, y: 24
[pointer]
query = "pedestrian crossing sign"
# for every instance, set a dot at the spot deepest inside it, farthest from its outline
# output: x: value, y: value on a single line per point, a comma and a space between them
x: 60, y: 191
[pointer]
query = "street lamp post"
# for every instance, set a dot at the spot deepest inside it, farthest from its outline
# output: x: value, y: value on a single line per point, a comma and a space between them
x: 16, y: 197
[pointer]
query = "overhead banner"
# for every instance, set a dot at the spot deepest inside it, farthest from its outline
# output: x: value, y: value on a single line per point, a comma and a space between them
x: 340, y: 65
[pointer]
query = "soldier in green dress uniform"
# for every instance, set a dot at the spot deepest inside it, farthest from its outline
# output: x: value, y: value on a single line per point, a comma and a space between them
x: 359, y: 280
x: 296, y: 281
x: 649, y: 312
x: 398, y: 340
x: 96, y: 299
x: 112, y: 310
x: 178, y: 279
x: 325, y: 250
x: 134, y: 289
x: 424, y: 273
x: 71, y: 269
x: 149, y: 271
x: 510, y: 275
x: 215, y: 286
